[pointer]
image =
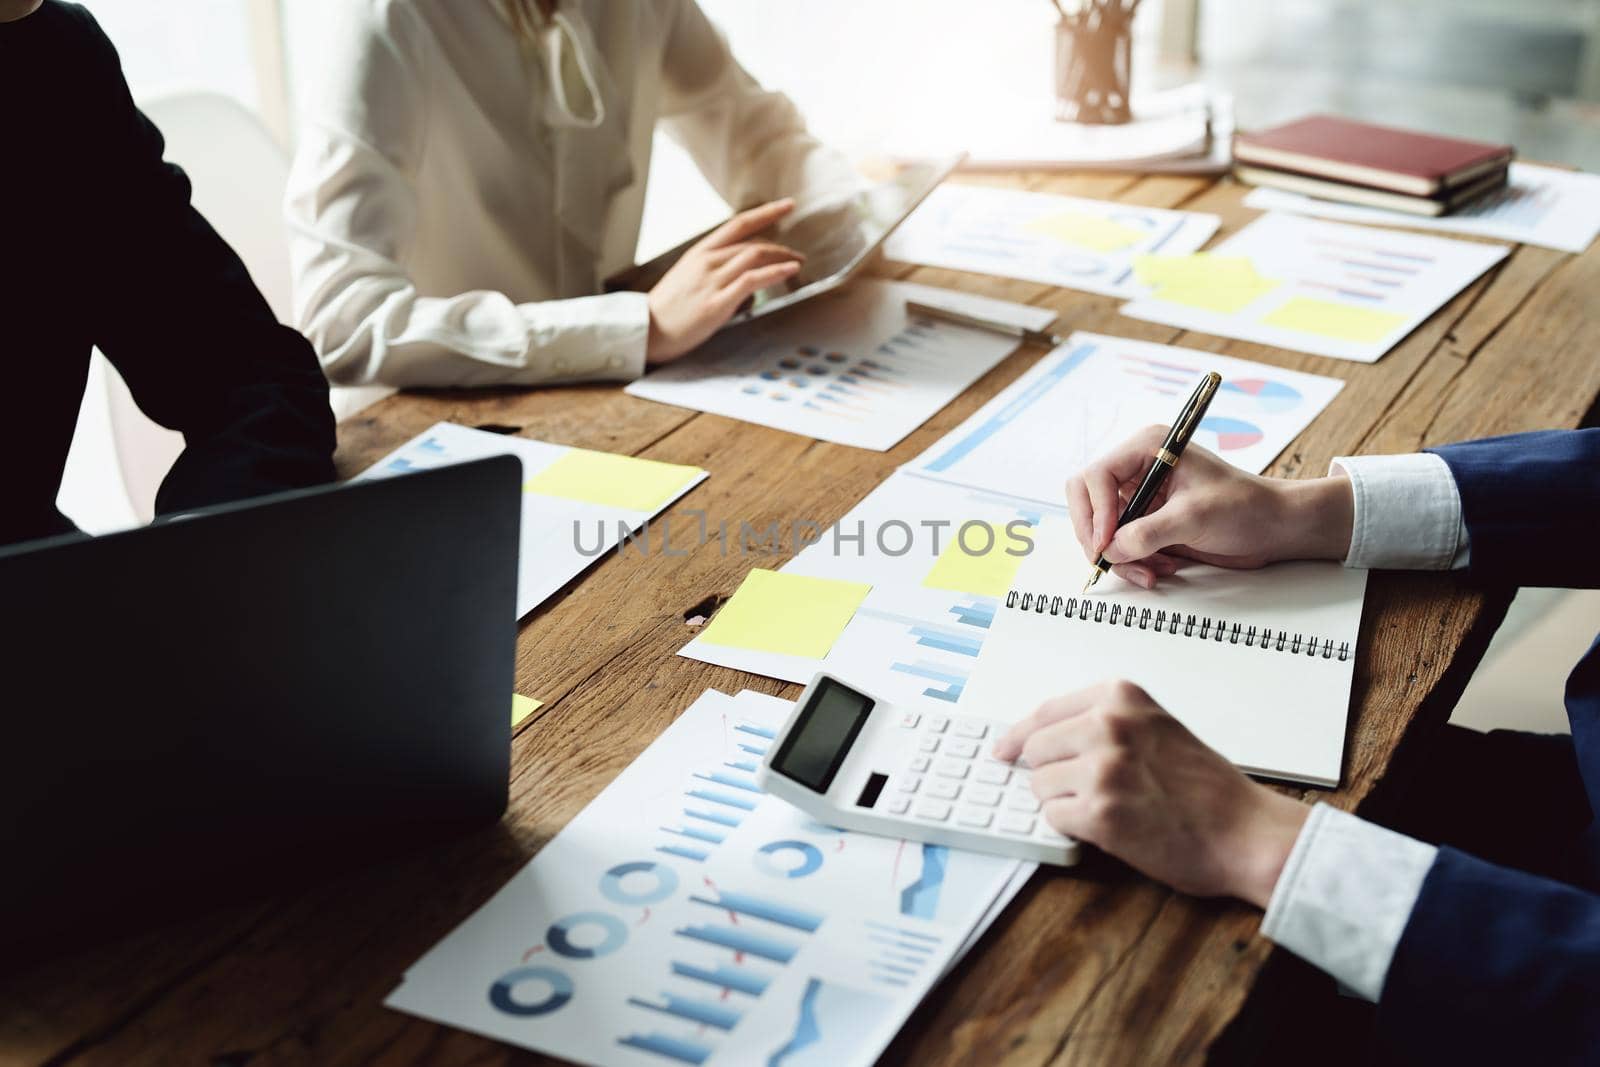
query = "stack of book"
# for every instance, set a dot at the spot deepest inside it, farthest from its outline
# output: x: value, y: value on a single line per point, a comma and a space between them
x: 1379, y: 166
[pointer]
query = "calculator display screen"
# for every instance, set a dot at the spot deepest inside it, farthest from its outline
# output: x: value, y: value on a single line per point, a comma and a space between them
x: 821, y: 736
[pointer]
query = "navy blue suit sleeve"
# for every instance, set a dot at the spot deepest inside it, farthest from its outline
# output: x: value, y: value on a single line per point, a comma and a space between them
x: 1530, y: 502
x: 1494, y: 966
x: 179, y: 317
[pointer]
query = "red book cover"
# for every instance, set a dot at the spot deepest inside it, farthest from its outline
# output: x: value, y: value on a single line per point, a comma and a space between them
x: 1362, y: 153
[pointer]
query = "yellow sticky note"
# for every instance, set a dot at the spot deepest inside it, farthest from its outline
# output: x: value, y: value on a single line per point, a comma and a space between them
x: 1094, y: 232
x: 987, y: 570
x: 1328, y: 319
x: 1224, y: 284
x: 612, y: 480
x: 774, y: 611
x: 522, y: 707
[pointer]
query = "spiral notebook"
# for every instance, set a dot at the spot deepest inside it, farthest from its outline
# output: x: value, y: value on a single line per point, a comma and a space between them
x: 1257, y: 663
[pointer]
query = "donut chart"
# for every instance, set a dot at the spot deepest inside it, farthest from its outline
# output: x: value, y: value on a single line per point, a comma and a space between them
x: 810, y: 859
x: 503, y: 993
x: 615, y: 888
x: 561, y: 941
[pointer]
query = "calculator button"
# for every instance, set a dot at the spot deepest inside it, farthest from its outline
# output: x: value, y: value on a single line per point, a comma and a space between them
x: 986, y: 795
x: 975, y: 817
x: 938, y: 811
x: 964, y: 749
x: 972, y: 729
x: 909, y: 720
x: 929, y: 744
x: 919, y: 763
x: 1022, y: 802
x: 993, y: 774
x: 1017, y: 824
x: 937, y: 724
x: 943, y: 790
x: 950, y: 768
x: 908, y: 783
x: 898, y: 805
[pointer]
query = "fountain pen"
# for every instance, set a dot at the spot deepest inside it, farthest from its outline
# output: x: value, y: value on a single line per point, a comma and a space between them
x: 1166, y: 459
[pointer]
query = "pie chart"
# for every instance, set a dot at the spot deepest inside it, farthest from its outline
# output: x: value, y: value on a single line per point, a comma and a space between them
x: 1225, y: 435
x: 1272, y: 396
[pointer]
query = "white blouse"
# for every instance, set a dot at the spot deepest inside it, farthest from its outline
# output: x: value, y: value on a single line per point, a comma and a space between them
x: 459, y: 194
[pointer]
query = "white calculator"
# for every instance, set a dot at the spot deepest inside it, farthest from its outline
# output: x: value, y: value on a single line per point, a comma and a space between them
x: 851, y: 761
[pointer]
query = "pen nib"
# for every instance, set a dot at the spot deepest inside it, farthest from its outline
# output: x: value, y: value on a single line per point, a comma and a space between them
x: 1094, y: 576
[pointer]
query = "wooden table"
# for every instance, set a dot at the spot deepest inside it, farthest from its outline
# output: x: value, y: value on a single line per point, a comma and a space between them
x: 1095, y: 966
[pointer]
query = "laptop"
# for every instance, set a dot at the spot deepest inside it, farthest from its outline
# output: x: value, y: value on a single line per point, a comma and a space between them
x: 837, y: 243
x: 253, y: 694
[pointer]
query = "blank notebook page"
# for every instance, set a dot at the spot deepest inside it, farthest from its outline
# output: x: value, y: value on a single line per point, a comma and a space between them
x: 1269, y: 687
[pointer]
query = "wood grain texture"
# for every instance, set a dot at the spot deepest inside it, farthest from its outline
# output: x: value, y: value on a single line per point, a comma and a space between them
x: 1090, y: 966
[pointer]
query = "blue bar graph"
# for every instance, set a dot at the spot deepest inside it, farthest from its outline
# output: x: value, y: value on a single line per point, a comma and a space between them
x: 906, y: 946
x: 761, y: 732
x: 755, y: 750
x: 903, y: 932
x: 724, y: 799
x: 683, y: 853
x: 944, y: 642
x: 732, y: 781
x: 763, y: 946
x: 673, y: 1048
x: 761, y: 908
x: 974, y: 614
x: 746, y: 766
x: 738, y: 979
x: 696, y: 833
x: 893, y: 968
x: 431, y: 444
x: 949, y: 692
x: 704, y: 1012
x: 712, y: 816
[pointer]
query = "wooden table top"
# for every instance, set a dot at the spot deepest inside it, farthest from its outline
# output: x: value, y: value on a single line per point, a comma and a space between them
x: 1092, y: 965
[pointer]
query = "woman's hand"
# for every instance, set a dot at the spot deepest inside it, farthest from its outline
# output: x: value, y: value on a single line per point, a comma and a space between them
x: 714, y: 278
x: 1112, y: 768
x: 1207, y: 510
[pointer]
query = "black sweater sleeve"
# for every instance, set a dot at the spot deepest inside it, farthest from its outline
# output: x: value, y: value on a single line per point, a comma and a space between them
x: 177, y: 314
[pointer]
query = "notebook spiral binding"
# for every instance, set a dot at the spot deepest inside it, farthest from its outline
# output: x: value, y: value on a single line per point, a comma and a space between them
x: 1205, y: 628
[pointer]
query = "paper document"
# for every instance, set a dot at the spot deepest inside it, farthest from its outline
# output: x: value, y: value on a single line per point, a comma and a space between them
x: 1096, y: 391
x: 686, y: 917
x: 1538, y: 206
x: 1350, y: 292
x: 1186, y: 129
x: 1258, y: 664
x: 576, y: 504
x: 851, y: 366
x: 1056, y: 240
x: 934, y: 555
x: 942, y: 540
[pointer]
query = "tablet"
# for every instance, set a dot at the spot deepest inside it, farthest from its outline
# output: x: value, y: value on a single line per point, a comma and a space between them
x: 837, y: 240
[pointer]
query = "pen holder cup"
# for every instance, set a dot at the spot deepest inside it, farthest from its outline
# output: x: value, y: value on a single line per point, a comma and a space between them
x: 1094, y: 51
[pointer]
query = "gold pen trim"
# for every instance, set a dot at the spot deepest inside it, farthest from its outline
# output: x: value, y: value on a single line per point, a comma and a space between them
x: 1163, y: 456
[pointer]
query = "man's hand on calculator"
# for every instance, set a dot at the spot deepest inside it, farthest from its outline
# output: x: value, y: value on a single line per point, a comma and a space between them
x: 1112, y: 768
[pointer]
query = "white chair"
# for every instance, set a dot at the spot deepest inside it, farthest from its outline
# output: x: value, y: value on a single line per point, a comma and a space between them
x: 238, y: 172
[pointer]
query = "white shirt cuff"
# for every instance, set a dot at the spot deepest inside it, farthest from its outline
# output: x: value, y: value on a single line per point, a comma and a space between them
x: 1345, y: 896
x: 1407, y: 513
x: 587, y: 338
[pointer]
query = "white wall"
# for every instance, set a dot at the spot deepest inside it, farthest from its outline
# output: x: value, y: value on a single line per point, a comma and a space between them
x: 182, y: 44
